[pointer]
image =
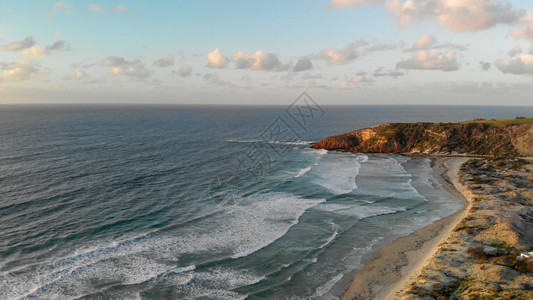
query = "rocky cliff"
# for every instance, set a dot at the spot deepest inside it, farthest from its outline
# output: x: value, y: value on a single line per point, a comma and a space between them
x: 501, y: 139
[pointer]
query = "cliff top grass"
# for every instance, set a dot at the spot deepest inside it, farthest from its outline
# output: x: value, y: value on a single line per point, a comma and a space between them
x: 502, y: 122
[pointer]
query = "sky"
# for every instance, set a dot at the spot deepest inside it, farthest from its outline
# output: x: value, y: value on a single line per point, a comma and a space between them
x: 341, y: 52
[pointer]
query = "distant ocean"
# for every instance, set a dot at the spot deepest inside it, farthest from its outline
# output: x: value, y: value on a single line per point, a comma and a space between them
x: 150, y: 202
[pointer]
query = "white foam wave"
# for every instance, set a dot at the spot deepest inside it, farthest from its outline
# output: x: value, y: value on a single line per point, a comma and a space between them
x: 243, y: 141
x: 401, y: 181
x: 184, y: 278
x: 185, y: 269
x: 359, y: 252
x: 218, y: 283
x: 412, y: 189
x: 330, y: 239
x: 362, y: 158
x: 278, y: 213
x: 303, y: 171
x: 338, y: 173
x: 319, y: 154
x: 297, y: 143
x: 321, y: 151
x: 242, y: 230
x: 408, y: 187
x: 323, y: 289
x: 359, y: 211
x: 312, y: 260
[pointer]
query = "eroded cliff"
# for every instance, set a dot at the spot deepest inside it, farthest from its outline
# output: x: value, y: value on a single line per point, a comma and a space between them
x: 472, y: 138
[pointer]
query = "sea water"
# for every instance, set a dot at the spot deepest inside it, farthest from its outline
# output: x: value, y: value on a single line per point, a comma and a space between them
x: 150, y: 202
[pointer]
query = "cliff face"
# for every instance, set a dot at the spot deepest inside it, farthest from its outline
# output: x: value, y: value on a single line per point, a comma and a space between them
x: 436, y: 138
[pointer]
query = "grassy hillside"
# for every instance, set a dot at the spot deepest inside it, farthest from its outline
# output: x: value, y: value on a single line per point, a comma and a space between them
x: 502, y: 122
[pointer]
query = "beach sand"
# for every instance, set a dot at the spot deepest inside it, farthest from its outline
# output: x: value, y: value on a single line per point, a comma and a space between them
x: 399, y: 264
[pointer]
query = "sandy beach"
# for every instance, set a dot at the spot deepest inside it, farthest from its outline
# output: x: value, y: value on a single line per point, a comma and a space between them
x: 399, y: 264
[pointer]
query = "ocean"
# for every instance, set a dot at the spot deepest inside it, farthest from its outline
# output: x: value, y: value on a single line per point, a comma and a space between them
x: 204, y: 202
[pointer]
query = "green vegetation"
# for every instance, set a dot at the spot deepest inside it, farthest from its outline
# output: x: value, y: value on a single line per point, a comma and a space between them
x: 461, y: 285
x: 501, y: 122
x: 501, y: 245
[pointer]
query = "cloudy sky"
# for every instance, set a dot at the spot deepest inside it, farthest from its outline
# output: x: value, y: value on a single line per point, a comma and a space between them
x: 469, y: 52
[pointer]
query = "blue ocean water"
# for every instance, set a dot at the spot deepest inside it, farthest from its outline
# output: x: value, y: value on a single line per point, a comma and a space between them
x: 195, y: 202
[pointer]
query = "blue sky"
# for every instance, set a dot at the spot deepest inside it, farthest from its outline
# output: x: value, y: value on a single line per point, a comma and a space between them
x: 267, y: 52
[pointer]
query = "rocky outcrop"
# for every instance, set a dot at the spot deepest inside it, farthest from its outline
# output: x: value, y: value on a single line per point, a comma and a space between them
x: 522, y: 138
x: 436, y: 138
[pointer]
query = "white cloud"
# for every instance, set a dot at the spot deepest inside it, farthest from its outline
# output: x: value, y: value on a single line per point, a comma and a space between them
x: 449, y: 45
x: 258, y: 61
x: 83, y: 78
x: 210, y: 76
x: 343, y: 55
x: 113, y: 61
x: 166, y: 60
x: 382, y: 47
x: 95, y: 8
x: 303, y: 64
x: 216, y: 59
x: 214, y: 78
x: 18, y: 71
x: 29, y: 49
x: 57, y: 46
x: 184, y: 71
x: 485, y: 66
x: 350, y: 81
x: 472, y: 15
x: 80, y: 75
x: 34, y: 52
x: 358, y: 79
x: 405, y: 12
x: 427, y: 42
x: 390, y: 73
x: 346, y: 3
x: 521, y: 64
x: 430, y: 60
x: 128, y: 69
x: 312, y: 76
x: 514, y: 51
x: 123, y: 9
x: 475, y: 87
x: 21, y: 45
x: 59, y: 6
x: 424, y: 42
x: 460, y: 16
x: 526, y: 32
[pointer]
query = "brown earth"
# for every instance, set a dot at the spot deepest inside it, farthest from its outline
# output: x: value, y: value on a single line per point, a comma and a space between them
x: 436, y: 138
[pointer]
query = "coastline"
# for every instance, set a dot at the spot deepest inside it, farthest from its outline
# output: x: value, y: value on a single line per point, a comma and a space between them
x: 399, y: 264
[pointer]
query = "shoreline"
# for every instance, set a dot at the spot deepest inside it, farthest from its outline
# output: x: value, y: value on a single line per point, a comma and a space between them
x: 400, y: 263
